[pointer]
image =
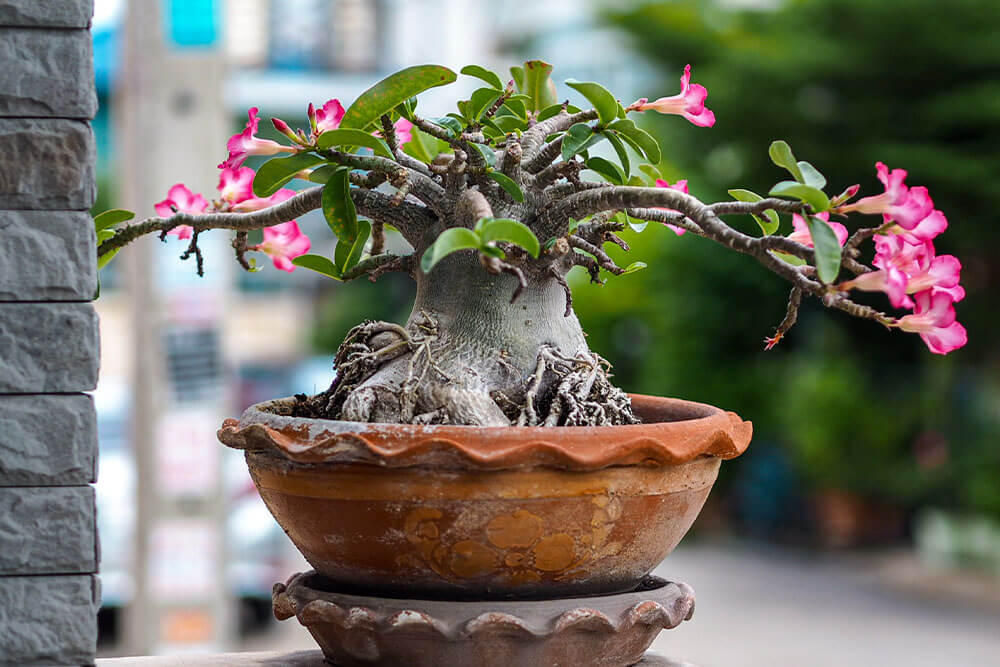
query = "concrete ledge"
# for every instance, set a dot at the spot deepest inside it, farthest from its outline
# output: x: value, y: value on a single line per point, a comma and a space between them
x: 47, y: 73
x: 47, y: 164
x: 46, y: 13
x: 288, y: 659
x: 47, y: 256
x: 48, y: 347
x: 48, y: 620
x: 47, y: 530
x: 47, y: 440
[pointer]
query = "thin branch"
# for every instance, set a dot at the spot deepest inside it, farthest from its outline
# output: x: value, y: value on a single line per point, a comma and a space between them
x: 791, y: 315
x: 533, y: 139
x: 376, y: 265
x: 603, y: 259
x: 546, y: 155
x: 561, y: 280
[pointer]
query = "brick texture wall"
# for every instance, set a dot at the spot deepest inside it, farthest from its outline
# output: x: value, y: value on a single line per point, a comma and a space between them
x: 48, y: 335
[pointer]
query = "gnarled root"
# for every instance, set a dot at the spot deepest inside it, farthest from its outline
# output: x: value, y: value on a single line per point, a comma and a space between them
x: 573, y: 391
x: 388, y: 373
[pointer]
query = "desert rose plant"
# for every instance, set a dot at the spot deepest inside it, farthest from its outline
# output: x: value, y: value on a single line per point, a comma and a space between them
x: 498, y: 202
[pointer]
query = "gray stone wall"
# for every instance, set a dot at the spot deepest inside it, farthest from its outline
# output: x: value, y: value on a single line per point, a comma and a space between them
x: 48, y: 335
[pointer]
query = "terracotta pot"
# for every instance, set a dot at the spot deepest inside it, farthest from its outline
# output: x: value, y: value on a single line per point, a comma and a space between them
x: 465, y: 512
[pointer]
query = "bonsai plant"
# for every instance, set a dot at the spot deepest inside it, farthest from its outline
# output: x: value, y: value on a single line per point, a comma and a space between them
x: 379, y: 479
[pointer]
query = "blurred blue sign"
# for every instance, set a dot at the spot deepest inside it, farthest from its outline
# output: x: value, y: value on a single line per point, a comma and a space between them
x: 191, y: 23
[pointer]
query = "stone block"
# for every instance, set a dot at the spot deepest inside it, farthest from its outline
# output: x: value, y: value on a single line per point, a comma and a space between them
x: 48, y: 347
x: 48, y: 620
x: 47, y: 256
x: 48, y: 73
x: 47, y: 530
x: 47, y: 164
x: 46, y: 13
x: 47, y: 440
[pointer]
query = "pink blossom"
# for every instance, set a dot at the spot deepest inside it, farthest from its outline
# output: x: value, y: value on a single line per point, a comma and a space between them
x: 327, y: 117
x: 246, y: 143
x: 804, y: 236
x: 925, y: 230
x: 404, y: 131
x: 906, y: 206
x: 690, y: 102
x: 236, y: 185
x: 680, y: 186
x: 907, y: 268
x: 934, y: 320
x: 257, y: 203
x: 283, y: 243
x: 181, y: 200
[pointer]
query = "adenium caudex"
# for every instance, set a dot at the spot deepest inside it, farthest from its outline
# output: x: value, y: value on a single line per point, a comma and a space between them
x: 492, y: 201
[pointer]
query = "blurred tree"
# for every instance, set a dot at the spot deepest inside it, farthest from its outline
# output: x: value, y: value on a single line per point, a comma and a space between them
x: 913, y: 83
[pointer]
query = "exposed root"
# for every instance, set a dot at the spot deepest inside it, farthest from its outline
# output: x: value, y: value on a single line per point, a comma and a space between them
x: 573, y: 391
x: 366, y: 349
x: 562, y: 390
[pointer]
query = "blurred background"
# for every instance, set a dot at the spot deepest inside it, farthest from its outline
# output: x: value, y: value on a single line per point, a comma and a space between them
x: 863, y: 524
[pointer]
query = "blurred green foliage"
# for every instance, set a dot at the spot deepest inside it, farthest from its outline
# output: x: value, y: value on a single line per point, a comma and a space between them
x: 913, y: 83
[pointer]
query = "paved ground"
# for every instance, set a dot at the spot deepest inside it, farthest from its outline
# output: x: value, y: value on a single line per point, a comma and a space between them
x: 762, y: 607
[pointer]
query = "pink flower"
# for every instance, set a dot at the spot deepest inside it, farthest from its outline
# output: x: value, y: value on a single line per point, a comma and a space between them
x: 934, y: 320
x: 690, y: 102
x: 907, y: 268
x: 906, y: 206
x: 680, y: 186
x: 257, y: 203
x: 326, y: 118
x: 236, y: 185
x: 245, y: 143
x: 404, y: 131
x: 283, y: 243
x: 804, y: 236
x: 928, y: 228
x: 182, y: 200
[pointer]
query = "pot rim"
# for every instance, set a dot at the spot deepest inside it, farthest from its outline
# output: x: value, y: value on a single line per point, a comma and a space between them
x: 675, y: 431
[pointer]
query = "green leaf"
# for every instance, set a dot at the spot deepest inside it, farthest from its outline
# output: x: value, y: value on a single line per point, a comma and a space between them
x: 352, y: 137
x: 608, y: 169
x: 393, y: 90
x: 538, y: 85
x: 810, y: 195
x: 768, y: 226
x: 604, y: 102
x: 826, y: 248
x: 483, y: 74
x: 103, y: 260
x: 317, y: 263
x: 781, y: 155
x: 493, y: 251
x: 508, y: 184
x: 112, y: 217
x: 509, y: 123
x: 276, y: 172
x: 488, y: 154
x: 633, y: 267
x: 791, y: 259
x: 575, y: 139
x: 341, y: 217
x: 641, y: 140
x: 652, y: 172
x: 620, y: 150
x: 352, y: 254
x: 423, y: 146
x: 505, y: 229
x: 481, y: 100
x: 449, y: 241
x: 811, y: 175
x: 452, y: 125
x: 517, y: 73
x: 322, y: 174
x: 516, y: 108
